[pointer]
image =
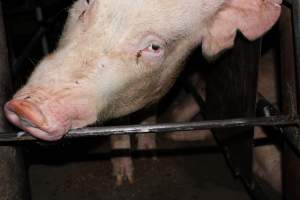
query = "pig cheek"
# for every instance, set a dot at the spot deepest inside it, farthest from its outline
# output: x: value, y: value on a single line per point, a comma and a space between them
x: 83, y: 113
x: 152, y: 62
x: 84, y: 119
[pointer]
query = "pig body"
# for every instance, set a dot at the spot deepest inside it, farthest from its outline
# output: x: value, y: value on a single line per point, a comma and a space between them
x: 267, y: 158
x: 118, y: 56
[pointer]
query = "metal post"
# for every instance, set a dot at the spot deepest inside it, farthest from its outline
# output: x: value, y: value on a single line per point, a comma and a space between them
x: 40, y: 19
x: 296, y: 36
x: 289, y: 67
x: 13, y: 178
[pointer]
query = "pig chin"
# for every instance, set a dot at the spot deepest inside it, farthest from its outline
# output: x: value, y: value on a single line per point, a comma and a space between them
x: 48, y: 120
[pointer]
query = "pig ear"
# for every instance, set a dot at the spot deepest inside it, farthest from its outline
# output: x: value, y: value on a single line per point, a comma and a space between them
x: 251, y: 17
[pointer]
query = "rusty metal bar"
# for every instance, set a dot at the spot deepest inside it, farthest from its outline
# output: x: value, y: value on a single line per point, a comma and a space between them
x: 6, y: 138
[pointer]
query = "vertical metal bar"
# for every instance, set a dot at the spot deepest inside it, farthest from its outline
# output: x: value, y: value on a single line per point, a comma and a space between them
x: 290, y: 72
x: 13, y: 179
x: 40, y: 18
x: 291, y: 174
x: 296, y: 35
x: 17, y: 65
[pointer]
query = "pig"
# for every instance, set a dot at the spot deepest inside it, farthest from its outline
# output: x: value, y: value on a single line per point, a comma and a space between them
x: 118, y: 56
x: 267, y: 158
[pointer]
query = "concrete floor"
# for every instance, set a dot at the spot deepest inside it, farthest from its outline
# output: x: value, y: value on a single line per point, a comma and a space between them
x: 199, y: 173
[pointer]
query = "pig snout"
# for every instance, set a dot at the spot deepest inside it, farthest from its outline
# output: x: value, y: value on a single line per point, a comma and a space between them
x: 44, y: 123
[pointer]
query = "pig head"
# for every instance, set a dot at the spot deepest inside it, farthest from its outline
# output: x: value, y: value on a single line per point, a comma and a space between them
x: 118, y: 56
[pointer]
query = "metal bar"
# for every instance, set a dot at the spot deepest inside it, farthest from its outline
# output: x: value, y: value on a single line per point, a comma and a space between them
x: 265, y: 108
x: 161, y: 128
x: 257, y: 190
x: 296, y: 35
x: 40, y: 19
x: 288, y: 1
x: 291, y: 46
x: 17, y: 65
x: 13, y: 174
x: 291, y: 175
x: 38, y: 35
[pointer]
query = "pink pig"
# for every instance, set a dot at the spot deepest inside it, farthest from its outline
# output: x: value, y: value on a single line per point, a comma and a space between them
x: 118, y: 56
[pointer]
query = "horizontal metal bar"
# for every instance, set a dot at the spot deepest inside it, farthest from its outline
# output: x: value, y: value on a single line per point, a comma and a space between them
x: 160, y: 128
x: 290, y: 134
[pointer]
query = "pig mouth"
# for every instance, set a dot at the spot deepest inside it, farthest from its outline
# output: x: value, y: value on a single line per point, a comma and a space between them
x: 30, y: 118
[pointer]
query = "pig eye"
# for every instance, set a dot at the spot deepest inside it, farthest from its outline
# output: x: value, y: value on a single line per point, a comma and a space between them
x: 153, y: 48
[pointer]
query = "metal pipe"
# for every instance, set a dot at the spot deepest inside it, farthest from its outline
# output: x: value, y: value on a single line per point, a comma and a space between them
x: 296, y: 29
x: 290, y: 134
x: 13, y: 174
x: 17, y: 65
x: 288, y: 1
x: 6, y: 138
x: 38, y: 35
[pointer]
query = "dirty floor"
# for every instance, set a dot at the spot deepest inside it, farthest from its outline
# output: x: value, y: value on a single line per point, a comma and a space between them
x: 199, y: 172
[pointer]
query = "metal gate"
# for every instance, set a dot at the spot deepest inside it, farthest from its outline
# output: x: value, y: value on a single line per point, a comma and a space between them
x: 232, y: 107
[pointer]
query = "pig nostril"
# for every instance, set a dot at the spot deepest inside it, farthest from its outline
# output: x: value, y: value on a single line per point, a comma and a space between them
x: 28, y: 113
x: 32, y: 119
x: 26, y: 122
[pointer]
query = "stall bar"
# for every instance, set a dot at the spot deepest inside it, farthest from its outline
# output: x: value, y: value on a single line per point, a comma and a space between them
x: 280, y: 120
